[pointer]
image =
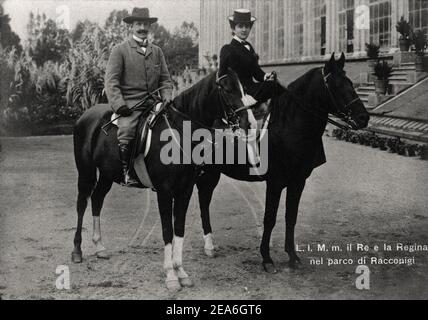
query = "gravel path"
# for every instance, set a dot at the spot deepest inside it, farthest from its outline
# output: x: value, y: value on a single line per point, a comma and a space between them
x: 361, y: 195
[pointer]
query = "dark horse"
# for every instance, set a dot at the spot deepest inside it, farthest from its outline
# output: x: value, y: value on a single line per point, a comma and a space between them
x: 298, y: 120
x: 208, y: 100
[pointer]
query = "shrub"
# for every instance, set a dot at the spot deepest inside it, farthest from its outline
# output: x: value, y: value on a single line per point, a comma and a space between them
x: 419, y: 40
x: 372, y: 50
x: 404, y: 28
x: 383, y: 70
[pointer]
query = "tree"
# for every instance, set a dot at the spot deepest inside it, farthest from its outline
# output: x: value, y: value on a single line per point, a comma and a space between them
x: 77, y: 33
x: 47, y: 42
x: 188, y: 30
x: 115, y: 17
x: 115, y: 29
x: 8, y: 38
x: 160, y: 36
x: 182, y: 49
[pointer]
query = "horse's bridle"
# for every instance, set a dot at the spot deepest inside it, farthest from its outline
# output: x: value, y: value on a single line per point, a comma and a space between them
x: 345, y: 115
x: 231, y: 115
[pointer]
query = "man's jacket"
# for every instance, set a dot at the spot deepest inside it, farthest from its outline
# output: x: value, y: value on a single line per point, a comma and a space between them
x: 130, y: 74
x: 244, y: 62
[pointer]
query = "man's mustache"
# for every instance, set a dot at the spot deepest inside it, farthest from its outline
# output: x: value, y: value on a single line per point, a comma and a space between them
x: 142, y: 31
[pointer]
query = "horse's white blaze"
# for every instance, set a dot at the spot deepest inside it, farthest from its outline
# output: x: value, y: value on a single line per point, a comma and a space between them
x: 177, y: 252
x: 96, y: 235
x: 208, y: 242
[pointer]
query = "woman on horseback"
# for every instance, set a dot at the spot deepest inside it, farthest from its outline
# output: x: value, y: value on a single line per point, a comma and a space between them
x: 239, y: 55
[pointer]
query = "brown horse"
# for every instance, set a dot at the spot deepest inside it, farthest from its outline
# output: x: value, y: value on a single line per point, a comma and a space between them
x: 298, y: 120
x: 208, y: 100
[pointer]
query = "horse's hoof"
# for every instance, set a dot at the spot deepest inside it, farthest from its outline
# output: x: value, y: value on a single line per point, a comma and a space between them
x: 76, y: 257
x: 269, y: 267
x: 294, y: 264
x: 173, y: 285
x: 209, y: 252
x: 186, y: 282
x: 103, y: 255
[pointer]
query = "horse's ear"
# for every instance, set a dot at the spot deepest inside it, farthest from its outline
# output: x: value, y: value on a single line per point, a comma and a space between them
x: 341, y: 62
x: 329, y: 65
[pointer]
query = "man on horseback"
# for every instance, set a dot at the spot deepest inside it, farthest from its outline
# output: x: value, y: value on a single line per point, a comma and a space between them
x: 134, y: 70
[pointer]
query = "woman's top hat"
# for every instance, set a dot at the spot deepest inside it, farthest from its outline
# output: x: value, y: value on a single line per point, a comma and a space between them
x: 241, y: 16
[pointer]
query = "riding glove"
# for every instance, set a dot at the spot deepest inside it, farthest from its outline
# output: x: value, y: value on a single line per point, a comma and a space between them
x: 124, y: 111
x: 167, y: 101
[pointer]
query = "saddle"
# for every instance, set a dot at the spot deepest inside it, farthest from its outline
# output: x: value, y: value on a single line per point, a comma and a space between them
x: 141, y: 146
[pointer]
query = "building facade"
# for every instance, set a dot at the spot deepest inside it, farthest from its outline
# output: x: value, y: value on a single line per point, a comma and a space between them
x: 298, y: 31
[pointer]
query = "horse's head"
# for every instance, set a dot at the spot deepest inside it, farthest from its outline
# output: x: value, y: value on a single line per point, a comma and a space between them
x: 342, y: 100
x: 232, y: 93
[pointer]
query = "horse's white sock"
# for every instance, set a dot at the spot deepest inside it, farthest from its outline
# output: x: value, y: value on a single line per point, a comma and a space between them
x: 208, y: 241
x: 177, y: 251
x: 96, y: 235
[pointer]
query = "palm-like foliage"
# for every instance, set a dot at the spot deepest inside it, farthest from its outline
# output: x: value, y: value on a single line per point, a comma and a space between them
x: 87, y: 62
x: 58, y: 90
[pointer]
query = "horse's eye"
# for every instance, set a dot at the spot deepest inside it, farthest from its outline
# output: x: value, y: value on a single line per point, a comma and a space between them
x: 227, y: 89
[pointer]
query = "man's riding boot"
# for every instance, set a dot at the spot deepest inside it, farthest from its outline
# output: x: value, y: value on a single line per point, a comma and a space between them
x: 125, y: 157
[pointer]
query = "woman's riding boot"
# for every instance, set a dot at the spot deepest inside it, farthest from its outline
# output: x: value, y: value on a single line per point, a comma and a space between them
x: 125, y: 155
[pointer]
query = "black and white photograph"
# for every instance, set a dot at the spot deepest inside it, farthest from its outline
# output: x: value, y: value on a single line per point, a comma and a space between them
x: 231, y: 152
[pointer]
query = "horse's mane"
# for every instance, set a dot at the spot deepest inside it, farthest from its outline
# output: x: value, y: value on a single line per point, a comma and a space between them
x: 284, y: 105
x: 302, y: 83
x: 190, y: 99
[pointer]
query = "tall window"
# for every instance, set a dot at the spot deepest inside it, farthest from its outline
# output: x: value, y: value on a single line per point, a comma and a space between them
x: 252, y: 37
x: 280, y: 29
x: 380, y: 22
x: 319, y: 8
x: 298, y: 28
x: 266, y: 42
x: 346, y: 25
x: 418, y: 14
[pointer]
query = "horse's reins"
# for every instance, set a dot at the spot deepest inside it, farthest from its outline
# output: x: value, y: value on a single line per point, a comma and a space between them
x: 230, y: 113
x: 303, y: 105
x: 137, y: 106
